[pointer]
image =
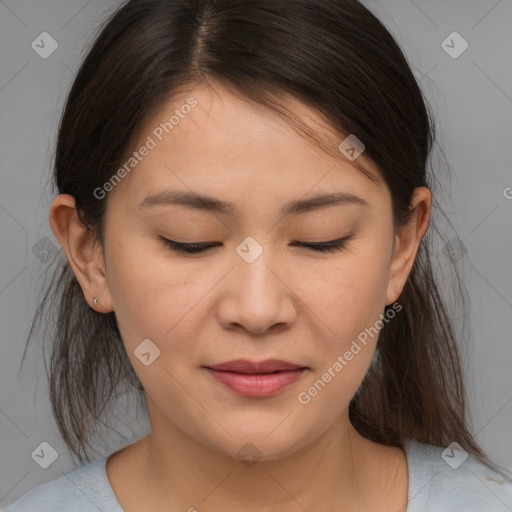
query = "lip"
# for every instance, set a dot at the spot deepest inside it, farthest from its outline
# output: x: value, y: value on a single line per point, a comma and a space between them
x: 247, y: 366
x: 256, y: 379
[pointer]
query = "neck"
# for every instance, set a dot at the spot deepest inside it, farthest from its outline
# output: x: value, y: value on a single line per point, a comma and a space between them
x: 339, y: 470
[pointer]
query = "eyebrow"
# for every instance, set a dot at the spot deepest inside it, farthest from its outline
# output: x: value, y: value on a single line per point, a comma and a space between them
x: 211, y: 204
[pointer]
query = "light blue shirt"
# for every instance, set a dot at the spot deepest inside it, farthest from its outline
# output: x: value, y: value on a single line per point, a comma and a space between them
x: 434, y: 486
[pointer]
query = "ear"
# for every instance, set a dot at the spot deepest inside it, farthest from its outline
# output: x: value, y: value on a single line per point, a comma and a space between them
x: 83, y: 251
x: 407, y: 242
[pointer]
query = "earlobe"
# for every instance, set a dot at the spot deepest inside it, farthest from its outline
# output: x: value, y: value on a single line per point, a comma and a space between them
x: 82, y: 251
x: 394, y: 288
x: 408, y: 241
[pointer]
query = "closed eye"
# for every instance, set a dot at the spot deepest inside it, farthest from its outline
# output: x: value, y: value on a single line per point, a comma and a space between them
x: 330, y: 246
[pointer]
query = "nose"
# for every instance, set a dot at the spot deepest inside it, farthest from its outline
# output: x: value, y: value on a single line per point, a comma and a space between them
x: 256, y: 297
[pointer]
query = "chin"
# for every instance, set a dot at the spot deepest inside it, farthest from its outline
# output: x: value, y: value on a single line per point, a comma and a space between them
x: 261, y: 447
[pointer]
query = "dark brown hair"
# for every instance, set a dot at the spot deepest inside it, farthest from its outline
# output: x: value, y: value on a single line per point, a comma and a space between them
x: 333, y: 55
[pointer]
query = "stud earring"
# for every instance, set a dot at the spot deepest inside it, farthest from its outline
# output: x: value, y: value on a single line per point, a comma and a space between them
x: 95, y: 300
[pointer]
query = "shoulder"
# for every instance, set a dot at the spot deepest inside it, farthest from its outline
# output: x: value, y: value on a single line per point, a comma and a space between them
x: 83, y: 490
x: 449, y: 479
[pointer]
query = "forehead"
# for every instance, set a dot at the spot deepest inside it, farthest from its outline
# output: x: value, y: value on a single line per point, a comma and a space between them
x: 210, y: 139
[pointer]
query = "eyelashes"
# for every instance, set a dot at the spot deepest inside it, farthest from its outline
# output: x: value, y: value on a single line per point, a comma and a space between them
x: 188, y: 248
x: 330, y: 246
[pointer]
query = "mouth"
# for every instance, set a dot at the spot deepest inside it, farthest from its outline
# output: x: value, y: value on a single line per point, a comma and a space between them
x: 256, y: 379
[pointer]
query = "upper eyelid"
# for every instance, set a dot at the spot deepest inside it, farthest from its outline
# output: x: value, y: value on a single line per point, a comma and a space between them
x: 212, y: 244
x: 200, y: 247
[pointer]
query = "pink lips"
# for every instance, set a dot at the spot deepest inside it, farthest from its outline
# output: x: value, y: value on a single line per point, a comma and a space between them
x: 254, y: 379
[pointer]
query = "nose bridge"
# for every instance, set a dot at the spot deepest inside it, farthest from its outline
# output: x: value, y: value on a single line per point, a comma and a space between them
x: 258, y: 296
x: 256, y: 278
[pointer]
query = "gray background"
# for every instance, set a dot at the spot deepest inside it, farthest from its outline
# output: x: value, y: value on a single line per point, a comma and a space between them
x: 472, y: 100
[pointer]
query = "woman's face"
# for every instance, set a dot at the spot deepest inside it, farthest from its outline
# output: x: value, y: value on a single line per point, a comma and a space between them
x: 255, y: 294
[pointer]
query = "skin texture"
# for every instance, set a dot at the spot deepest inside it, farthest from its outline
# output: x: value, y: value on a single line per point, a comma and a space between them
x: 291, y: 303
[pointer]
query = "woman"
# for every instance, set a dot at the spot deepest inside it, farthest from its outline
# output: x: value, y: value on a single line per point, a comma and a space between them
x: 243, y: 205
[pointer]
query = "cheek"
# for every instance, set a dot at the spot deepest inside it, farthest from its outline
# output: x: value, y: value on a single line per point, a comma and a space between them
x: 350, y: 308
x: 137, y: 283
x: 155, y: 301
x: 350, y: 295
